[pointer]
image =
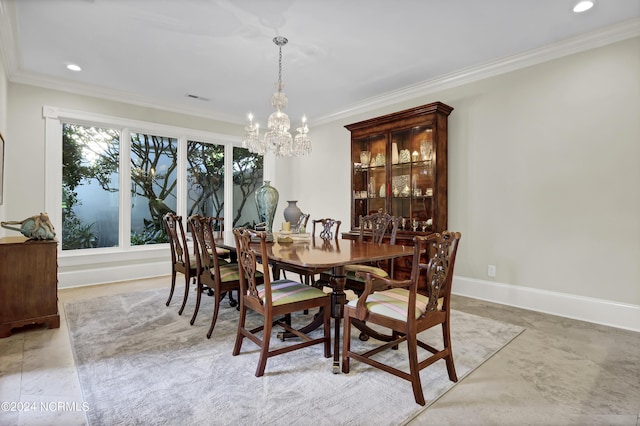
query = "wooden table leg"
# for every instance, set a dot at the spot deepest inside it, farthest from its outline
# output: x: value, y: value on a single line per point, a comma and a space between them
x: 338, y: 299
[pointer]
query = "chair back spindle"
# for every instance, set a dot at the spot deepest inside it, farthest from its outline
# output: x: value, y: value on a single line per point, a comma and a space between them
x: 326, y: 225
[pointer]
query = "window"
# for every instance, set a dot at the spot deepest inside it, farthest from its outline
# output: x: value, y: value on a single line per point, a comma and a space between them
x: 205, y: 179
x: 154, y: 160
x: 90, y: 185
x: 162, y: 168
x: 247, y: 177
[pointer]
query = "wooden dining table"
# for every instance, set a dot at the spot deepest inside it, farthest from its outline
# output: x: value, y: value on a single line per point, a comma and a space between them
x: 318, y: 255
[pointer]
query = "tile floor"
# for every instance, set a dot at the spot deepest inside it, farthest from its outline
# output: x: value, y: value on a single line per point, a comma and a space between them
x: 558, y: 372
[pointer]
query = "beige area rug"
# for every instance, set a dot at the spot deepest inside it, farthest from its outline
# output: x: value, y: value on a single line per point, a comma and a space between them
x: 139, y: 362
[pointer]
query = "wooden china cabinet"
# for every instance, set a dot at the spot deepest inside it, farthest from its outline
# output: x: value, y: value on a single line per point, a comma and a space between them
x: 399, y: 165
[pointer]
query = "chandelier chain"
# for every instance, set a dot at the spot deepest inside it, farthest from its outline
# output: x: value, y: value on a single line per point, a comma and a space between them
x: 280, y: 69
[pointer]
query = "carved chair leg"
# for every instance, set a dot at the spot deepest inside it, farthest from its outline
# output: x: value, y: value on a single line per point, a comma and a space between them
x: 173, y: 286
x: 446, y: 337
x: 264, y: 349
x: 186, y: 293
x: 216, y: 308
x: 414, y: 369
x: 239, y: 335
x: 198, y: 299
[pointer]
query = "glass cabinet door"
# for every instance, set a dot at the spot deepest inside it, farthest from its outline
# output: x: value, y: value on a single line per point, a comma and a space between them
x: 402, y: 169
x: 412, y: 177
x: 368, y: 156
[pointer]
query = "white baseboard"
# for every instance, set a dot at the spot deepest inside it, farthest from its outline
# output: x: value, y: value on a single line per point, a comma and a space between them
x: 599, y: 311
x: 111, y: 274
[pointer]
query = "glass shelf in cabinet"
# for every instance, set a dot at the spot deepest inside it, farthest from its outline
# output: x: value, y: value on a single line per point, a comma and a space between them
x: 401, y: 166
x: 381, y: 167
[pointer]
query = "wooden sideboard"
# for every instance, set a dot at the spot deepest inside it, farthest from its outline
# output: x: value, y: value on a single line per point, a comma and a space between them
x: 28, y: 283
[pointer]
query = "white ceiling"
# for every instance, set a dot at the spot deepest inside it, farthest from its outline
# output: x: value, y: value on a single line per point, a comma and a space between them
x: 341, y: 53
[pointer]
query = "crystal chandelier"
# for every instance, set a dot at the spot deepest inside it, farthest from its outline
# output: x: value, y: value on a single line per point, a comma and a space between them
x: 278, y: 139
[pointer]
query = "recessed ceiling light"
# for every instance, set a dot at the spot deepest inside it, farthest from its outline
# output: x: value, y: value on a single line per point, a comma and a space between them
x: 74, y: 67
x: 583, y: 5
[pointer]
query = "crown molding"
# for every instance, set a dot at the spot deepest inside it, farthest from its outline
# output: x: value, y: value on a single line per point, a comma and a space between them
x: 39, y: 80
x: 8, y: 38
x: 618, y: 32
x: 602, y: 37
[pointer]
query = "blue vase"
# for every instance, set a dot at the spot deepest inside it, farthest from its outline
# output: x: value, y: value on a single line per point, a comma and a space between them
x: 267, y: 202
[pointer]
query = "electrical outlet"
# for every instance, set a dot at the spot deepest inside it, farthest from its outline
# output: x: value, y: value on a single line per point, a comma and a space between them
x: 491, y: 270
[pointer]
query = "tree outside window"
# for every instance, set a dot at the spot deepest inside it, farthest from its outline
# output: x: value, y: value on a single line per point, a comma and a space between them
x: 91, y: 162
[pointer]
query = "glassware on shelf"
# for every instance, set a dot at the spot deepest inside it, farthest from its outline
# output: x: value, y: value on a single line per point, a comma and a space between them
x: 407, y: 153
x: 426, y: 151
x: 372, y: 187
x: 394, y: 153
x: 365, y: 158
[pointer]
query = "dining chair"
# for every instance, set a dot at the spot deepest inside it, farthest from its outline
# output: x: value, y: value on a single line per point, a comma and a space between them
x: 327, y: 232
x: 181, y: 261
x: 220, y: 276
x: 376, y: 228
x: 225, y: 255
x: 302, y: 222
x: 308, y: 276
x: 278, y: 269
x: 326, y: 228
x: 217, y: 225
x: 272, y: 300
x: 406, y: 312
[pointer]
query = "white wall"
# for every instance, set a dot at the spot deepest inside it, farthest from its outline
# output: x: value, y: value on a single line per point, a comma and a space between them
x: 3, y: 123
x: 544, y: 173
x: 24, y: 194
x: 544, y: 180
